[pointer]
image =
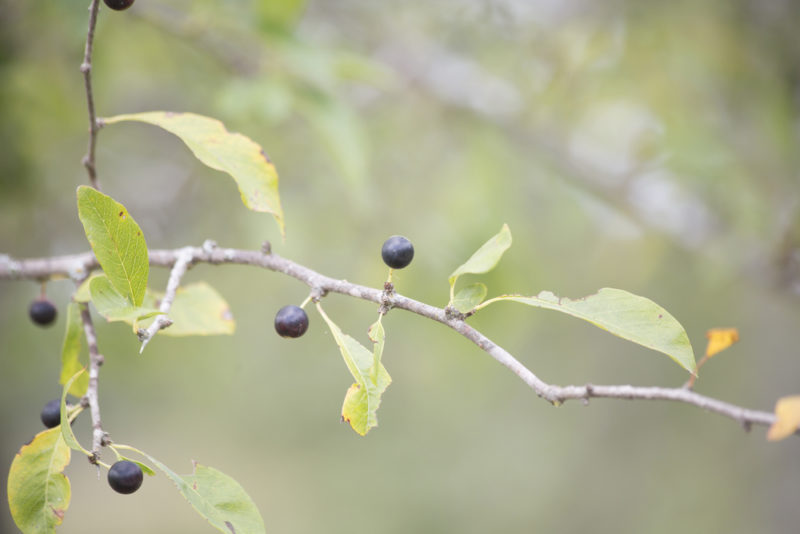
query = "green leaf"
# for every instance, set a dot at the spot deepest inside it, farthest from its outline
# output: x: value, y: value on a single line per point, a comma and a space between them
x: 218, y: 498
x: 484, y: 259
x: 66, y: 430
x: 469, y: 297
x: 38, y: 491
x: 198, y: 310
x: 82, y: 294
x: 113, y: 306
x: 362, y: 398
x: 117, y: 242
x: 232, y: 153
x: 146, y: 469
x: 71, y: 351
x: 624, y: 314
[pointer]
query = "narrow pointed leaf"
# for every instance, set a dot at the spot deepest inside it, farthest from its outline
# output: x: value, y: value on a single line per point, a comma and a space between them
x: 38, y: 491
x: 117, y: 242
x: 233, y: 153
x: 624, y: 314
x: 66, y: 430
x: 71, y: 351
x: 469, y: 297
x: 362, y: 398
x: 218, y: 498
x: 485, y: 258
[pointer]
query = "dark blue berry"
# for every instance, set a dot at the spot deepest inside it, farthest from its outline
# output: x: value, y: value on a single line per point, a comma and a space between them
x: 397, y: 252
x: 42, y: 312
x: 51, y: 413
x: 119, y: 5
x: 125, y: 477
x: 291, y: 321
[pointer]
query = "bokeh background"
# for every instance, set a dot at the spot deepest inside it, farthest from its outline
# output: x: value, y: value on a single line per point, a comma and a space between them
x: 650, y: 146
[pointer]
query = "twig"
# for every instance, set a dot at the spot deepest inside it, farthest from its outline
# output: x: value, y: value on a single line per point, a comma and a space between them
x: 95, y: 361
x: 57, y: 266
x: 182, y: 264
x: 86, y: 69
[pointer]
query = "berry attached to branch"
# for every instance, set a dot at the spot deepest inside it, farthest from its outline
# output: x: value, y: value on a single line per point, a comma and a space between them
x: 51, y: 413
x: 397, y: 252
x: 119, y: 5
x: 42, y: 312
x: 125, y: 477
x: 291, y: 321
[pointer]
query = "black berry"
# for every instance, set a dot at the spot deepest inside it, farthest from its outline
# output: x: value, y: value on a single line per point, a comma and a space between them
x: 119, y: 5
x: 125, y: 477
x: 42, y: 312
x: 51, y: 413
x: 291, y: 321
x: 397, y: 252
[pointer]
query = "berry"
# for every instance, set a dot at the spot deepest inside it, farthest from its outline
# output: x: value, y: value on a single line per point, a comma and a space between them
x: 51, y: 413
x: 291, y: 321
x: 119, y: 5
x: 397, y: 252
x: 42, y: 312
x: 125, y: 477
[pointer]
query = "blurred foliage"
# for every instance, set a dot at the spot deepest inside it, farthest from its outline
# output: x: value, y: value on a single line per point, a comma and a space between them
x: 647, y: 146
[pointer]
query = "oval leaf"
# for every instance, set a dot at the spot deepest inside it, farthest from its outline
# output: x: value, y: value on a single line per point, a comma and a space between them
x: 218, y: 498
x: 117, y: 242
x: 71, y: 351
x: 469, y: 297
x: 198, y: 310
x: 485, y: 258
x: 624, y: 314
x: 38, y: 491
x: 233, y: 153
x: 787, y: 412
x: 363, y: 398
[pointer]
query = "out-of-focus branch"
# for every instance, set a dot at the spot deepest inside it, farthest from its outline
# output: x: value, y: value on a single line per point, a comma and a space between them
x: 34, y: 269
x: 95, y: 361
x: 86, y: 69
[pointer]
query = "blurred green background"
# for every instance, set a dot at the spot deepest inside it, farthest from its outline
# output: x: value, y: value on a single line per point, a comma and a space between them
x: 648, y: 146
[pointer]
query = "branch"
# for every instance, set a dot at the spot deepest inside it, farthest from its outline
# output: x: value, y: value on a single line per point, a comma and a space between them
x: 95, y: 361
x: 36, y: 269
x: 86, y: 69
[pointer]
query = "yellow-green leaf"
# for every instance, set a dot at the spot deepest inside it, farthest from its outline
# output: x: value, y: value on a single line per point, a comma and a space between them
x: 363, y: 398
x: 66, y: 430
x: 198, y: 310
x: 787, y: 412
x: 113, y: 306
x: 38, y: 491
x: 624, y: 314
x: 469, y: 297
x: 233, y: 153
x: 485, y: 258
x: 117, y: 242
x: 71, y: 351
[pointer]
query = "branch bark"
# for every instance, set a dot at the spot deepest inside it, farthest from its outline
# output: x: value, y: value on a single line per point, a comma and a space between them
x: 86, y: 69
x: 37, y: 269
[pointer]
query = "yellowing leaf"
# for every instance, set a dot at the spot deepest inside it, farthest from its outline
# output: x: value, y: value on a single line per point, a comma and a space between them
x: 233, y: 153
x: 38, y: 491
x: 198, y: 310
x: 720, y: 339
x: 787, y: 411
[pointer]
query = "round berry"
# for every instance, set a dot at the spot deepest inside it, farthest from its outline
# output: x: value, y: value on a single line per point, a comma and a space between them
x: 125, y: 477
x: 119, y: 5
x: 42, y: 312
x: 291, y: 321
x: 397, y: 252
x: 51, y: 413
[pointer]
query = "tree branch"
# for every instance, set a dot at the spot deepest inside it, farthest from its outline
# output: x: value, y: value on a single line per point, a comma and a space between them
x: 36, y: 269
x: 95, y: 361
x: 86, y: 69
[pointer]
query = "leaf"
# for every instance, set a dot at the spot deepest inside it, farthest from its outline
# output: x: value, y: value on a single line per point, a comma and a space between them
x: 82, y: 294
x: 66, y: 430
x: 113, y: 306
x: 198, y: 310
x: 71, y: 351
x: 362, y: 398
x: 218, y: 498
x: 377, y: 335
x: 485, y: 258
x: 117, y: 242
x: 469, y: 297
x: 787, y: 412
x: 146, y: 469
x: 720, y: 339
x: 233, y: 153
x: 624, y: 314
x: 38, y: 491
